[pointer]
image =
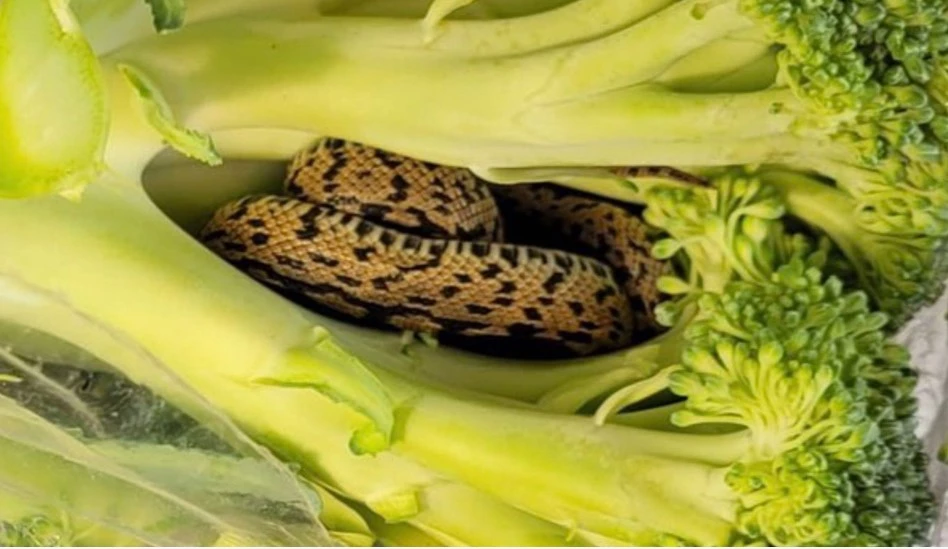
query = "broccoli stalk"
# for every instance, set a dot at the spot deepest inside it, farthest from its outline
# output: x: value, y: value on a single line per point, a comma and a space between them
x: 825, y: 410
x: 111, y: 24
x: 526, y: 122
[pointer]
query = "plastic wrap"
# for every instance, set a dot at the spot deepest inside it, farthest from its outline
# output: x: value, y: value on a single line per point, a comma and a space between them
x: 89, y: 457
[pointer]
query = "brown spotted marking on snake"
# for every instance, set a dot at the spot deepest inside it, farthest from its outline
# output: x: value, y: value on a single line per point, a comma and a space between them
x: 423, y: 198
x: 351, y: 238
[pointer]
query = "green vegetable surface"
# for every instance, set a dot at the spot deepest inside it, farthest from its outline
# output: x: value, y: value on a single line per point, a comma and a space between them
x: 773, y: 411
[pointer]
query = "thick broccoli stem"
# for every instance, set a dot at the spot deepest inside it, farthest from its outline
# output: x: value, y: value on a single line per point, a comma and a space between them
x: 489, y: 111
x: 528, y: 27
x: 652, y: 477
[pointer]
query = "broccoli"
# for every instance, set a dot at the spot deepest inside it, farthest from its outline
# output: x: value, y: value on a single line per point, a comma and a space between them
x: 901, y: 268
x: 842, y: 399
x: 794, y: 416
x: 851, y: 91
x: 822, y: 450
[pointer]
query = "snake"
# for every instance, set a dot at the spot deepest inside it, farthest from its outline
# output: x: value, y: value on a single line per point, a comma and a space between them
x: 429, y: 248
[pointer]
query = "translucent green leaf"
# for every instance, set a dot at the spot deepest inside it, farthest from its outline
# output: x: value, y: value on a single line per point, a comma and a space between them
x: 189, y: 142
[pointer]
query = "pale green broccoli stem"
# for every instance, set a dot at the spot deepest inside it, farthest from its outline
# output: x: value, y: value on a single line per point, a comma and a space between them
x: 111, y: 24
x: 566, y: 24
x: 554, y: 385
x: 740, y: 62
x: 657, y: 418
x: 488, y: 111
x: 531, y: 25
x: 652, y: 477
x: 611, y: 63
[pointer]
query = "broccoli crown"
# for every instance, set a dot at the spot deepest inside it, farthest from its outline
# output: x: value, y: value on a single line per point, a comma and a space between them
x: 827, y: 400
x: 872, y: 77
x: 894, y: 235
x: 870, y: 63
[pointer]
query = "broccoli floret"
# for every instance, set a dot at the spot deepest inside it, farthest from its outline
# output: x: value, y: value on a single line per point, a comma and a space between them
x: 731, y: 229
x: 828, y: 404
x: 900, y: 267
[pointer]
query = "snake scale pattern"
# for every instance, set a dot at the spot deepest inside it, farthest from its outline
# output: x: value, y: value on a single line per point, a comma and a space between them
x: 423, y: 247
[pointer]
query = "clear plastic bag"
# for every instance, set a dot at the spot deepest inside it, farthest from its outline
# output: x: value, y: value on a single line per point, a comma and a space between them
x: 90, y: 457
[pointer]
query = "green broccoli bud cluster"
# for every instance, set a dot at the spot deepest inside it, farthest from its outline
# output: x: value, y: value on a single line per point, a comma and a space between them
x: 906, y: 274
x: 903, y: 235
x: 732, y: 229
x: 893, y: 235
x: 872, y: 80
x: 867, y: 65
x: 896, y: 489
x: 807, y: 369
x: 900, y: 198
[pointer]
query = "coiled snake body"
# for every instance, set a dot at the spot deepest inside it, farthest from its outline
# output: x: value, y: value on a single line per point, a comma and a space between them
x: 421, y: 247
